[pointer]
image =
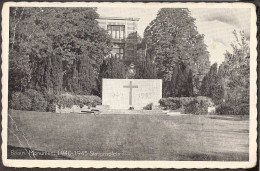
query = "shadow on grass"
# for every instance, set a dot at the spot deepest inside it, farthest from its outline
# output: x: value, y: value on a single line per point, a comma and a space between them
x: 27, y: 153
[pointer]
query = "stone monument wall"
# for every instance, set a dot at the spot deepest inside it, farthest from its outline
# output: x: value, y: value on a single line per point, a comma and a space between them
x: 126, y: 93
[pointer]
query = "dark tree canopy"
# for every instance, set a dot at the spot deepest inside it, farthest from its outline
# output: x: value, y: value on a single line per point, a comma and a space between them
x: 180, y: 84
x: 173, y: 40
x: 56, y: 49
x: 111, y: 68
x: 212, y: 85
x: 145, y: 70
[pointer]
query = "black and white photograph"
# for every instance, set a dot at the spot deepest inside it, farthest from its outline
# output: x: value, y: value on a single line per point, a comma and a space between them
x: 147, y: 85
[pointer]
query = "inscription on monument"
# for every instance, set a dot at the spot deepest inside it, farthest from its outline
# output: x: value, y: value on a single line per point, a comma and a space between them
x: 145, y: 95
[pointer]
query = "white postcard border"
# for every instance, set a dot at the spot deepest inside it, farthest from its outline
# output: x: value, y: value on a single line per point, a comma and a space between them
x: 131, y: 164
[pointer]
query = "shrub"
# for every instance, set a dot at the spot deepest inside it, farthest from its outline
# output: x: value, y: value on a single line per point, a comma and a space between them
x: 170, y: 103
x: 28, y: 100
x: 20, y: 101
x: 224, y: 109
x: 194, y: 105
x: 39, y: 103
x: 243, y: 109
x: 68, y: 100
x: 185, y: 100
x: 36, y: 101
x: 51, y: 102
x: 94, y: 104
x: 199, y: 105
x: 131, y: 108
x: 204, y: 104
x: 229, y: 109
x: 148, y: 107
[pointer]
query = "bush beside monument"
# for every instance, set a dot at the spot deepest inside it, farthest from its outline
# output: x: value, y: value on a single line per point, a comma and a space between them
x: 187, y: 105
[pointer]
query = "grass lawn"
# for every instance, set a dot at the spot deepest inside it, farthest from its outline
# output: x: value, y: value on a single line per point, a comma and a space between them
x: 126, y: 137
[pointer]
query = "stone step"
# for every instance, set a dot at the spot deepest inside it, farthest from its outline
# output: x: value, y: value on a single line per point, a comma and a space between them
x: 177, y: 113
x: 124, y: 111
x: 95, y: 110
x: 78, y: 109
x: 102, y: 107
x: 174, y: 113
x: 157, y: 107
x: 87, y: 111
x: 165, y: 111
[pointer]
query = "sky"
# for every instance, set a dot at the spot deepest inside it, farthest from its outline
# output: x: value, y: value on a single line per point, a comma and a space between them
x: 216, y: 24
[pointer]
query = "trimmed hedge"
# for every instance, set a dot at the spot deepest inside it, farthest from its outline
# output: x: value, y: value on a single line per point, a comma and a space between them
x: 33, y: 100
x: 68, y: 100
x: 170, y: 103
x: 193, y: 105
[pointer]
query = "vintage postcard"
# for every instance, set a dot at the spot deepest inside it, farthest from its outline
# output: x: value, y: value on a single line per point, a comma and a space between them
x: 129, y: 85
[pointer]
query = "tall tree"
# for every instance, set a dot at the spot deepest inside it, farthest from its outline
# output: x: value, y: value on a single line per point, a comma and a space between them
x: 146, y: 69
x: 64, y: 47
x: 212, y: 85
x: 19, y: 62
x: 180, y: 84
x: 111, y: 68
x: 236, y: 74
x: 172, y: 40
x: 131, y: 43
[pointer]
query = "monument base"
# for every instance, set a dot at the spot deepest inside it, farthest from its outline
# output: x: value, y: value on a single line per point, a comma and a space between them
x: 78, y: 109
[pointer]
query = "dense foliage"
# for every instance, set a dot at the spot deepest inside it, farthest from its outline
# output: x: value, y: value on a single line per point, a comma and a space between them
x: 56, y: 49
x: 55, y: 53
x: 235, y: 73
x: 131, y: 42
x: 145, y: 69
x: 33, y: 100
x: 212, y: 85
x: 173, y: 42
x: 20, y: 101
x: 28, y: 100
x: 68, y: 100
x: 111, y: 68
x: 188, y: 105
x: 181, y: 84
